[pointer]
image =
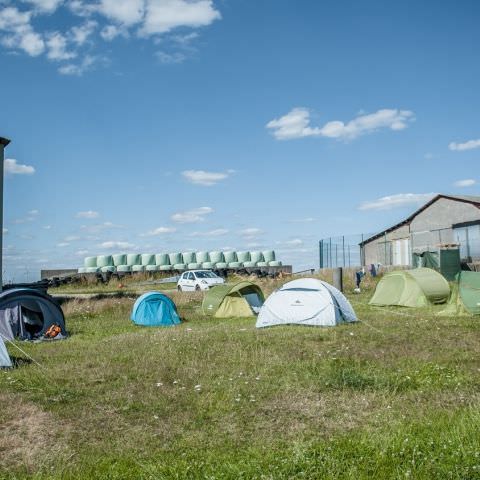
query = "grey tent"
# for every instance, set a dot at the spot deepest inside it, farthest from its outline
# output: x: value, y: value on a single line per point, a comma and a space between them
x: 27, y: 313
x: 4, y: 357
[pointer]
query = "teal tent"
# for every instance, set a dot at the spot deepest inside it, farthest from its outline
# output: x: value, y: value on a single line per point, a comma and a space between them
x: 154, y: 309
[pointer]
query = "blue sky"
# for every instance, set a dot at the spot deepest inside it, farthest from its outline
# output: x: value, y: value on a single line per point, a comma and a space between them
x: 168, y: 125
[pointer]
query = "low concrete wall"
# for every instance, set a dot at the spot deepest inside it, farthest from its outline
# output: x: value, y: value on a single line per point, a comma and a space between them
x: 44, y: 274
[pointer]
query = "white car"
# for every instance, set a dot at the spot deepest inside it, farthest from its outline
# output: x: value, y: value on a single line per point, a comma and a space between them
x: 198, y: 280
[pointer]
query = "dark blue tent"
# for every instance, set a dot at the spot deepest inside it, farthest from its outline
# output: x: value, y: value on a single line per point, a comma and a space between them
x: 28, y: 313
x: 153, y: 309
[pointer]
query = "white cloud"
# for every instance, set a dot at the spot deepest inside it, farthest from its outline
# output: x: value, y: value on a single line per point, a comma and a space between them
x: 469, y: 145
x: 20, y: 33
x: 47, y: 227
x: 87, y: 214
x: 115, y: 244
x: 212, y: 233
x: 33, y: 212
x: 206, y: 179
x: 159, y: 231
x: 80, y: 34
x: 192, y: 216
x: 63, y: 244
x: 110, y: 32
x: 294, y: 243
x: 113, y: 18
x: 80, y: 68
x: 469, y: 182
x: 126, y: 12
x: 398, y: 200
x: 13, y: 168
x: 71, y: 238
x: 296, y: 124
x: 57, y: 48
x: 162, y: 16
x: 81, y: 253
x: 251, y: 233
x: 48, y: 6
x: 5, y: 231
x: 169, y: 58
x: 303, y: 220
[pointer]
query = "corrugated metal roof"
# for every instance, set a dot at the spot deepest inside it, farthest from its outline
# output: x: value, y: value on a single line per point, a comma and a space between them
x: 474, y: 200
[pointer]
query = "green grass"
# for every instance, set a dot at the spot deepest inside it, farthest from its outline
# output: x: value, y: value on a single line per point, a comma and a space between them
x: 396, y: 396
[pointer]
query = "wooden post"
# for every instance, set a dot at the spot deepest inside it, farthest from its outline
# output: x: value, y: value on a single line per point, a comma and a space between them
x: 338, y: 278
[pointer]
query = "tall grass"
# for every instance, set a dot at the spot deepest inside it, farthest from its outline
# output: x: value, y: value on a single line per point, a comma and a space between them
x: 394, y: 396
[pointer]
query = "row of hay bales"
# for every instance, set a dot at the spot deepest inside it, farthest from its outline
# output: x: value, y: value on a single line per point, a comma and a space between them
x: 149, y: 262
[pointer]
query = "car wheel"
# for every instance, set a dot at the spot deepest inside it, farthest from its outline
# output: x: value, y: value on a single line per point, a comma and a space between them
x: 197, y: 288
x: 179, y: 288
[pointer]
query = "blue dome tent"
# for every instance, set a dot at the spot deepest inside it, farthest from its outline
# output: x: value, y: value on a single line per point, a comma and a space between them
x: 153, y: 309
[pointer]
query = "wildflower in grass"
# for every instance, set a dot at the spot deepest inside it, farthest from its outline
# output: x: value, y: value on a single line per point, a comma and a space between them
x: 159, y: 384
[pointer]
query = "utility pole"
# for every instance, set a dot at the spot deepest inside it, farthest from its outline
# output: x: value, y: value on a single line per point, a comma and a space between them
x: 3, y: 143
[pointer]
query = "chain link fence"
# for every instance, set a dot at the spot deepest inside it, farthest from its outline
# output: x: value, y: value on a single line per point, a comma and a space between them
x: 397, y: 248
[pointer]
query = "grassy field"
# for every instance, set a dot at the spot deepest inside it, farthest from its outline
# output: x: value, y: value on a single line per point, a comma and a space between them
x: 394, y: 396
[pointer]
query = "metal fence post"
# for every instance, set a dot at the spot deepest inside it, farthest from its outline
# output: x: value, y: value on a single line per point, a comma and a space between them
x: 330, y: 252
x: 3, y: 143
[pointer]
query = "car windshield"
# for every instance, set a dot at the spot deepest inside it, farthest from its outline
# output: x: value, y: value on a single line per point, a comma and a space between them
x: 205, y: 275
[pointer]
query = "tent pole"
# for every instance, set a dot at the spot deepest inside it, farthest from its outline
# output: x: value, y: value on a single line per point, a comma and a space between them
x: 3, y: 143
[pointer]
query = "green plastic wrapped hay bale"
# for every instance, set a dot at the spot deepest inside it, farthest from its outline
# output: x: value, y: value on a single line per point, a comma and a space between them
x: 124, y: 268
x: 165, y: 268
x: 269, y: 256
x: 104, y: 261
x: 120, y: 259
x: 151, y: 268
x: 207, y: 265
x: 216, y: 257
x: 221, y: 265
x: 275, y: 263
x: 108, y: 269
x: 91, y: 270
x: 194, y: 266
x: 234, y: 265
x: 256, y: 257
x: 90, y: 262
x: 133, y: 259
x: 138, y: 268
x: 202, y: 257
x: 162, y: 259
x: 230, y: 257
x: 189, y: 257
x: 147, y: 259
x: 243, y: 257
x: 175, y: 258
x: 179, y: 266
x: 249, y: 264
x: 82, y: 270
x: 262, y: 264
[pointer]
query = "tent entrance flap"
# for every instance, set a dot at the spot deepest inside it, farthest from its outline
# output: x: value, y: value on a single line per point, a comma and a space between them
x: 234, y: 306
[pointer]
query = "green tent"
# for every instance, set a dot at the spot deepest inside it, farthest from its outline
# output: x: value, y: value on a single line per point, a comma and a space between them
x: 465, y: 297
x: 242, y: 299
x: 411, y: 288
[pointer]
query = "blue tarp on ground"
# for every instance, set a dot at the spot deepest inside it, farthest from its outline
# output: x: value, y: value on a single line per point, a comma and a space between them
x: 153, y: 309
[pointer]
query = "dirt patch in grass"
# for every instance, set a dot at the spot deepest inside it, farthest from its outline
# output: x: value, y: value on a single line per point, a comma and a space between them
x: 29, y: 436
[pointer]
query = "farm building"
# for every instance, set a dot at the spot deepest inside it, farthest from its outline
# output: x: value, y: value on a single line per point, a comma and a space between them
x: 444, y: 220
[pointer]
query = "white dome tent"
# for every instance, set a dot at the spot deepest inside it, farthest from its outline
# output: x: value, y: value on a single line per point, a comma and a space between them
x: 306, y: 301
